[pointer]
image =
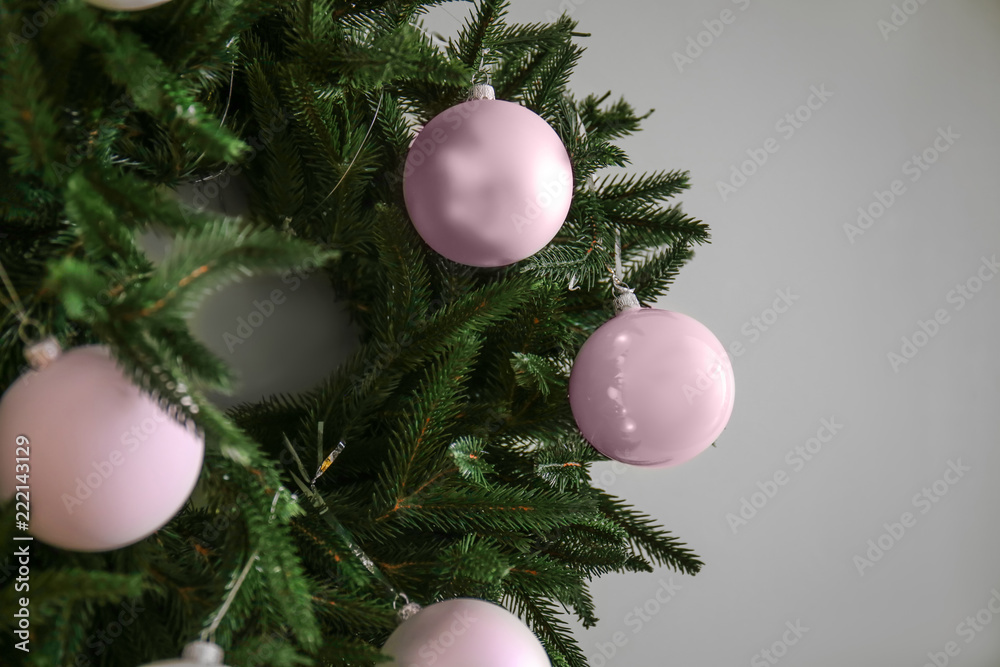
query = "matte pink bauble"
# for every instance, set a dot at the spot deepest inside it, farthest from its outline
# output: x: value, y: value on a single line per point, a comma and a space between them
x: 652, y: 388
x: 106, y: 465
x: 487, y: 183
x: 464, y: 632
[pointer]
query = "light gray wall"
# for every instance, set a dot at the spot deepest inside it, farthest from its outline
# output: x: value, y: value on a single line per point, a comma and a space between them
x: 826, y: 356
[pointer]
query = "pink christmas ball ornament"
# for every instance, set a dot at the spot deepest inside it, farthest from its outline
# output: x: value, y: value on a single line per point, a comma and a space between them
x: 126, y: 5
x: 105, y: 465
x: 487, y: 183
x: 652, y: 388
x: 464, y: 632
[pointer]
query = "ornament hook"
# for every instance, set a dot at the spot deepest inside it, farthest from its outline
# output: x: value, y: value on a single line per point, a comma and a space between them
x: 40, y: 350
x: 625, y: 298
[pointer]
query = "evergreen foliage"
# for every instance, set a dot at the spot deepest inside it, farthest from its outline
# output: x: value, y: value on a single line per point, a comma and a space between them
x: 463, y: 473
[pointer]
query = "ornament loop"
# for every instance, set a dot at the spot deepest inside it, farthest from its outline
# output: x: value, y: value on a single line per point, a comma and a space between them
x: 29, y: 331
x: 482, y: 61
x: 15, y: 301
x: 625, y: 298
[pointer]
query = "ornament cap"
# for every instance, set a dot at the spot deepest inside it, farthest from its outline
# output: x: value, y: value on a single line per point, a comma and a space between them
x: 43, y: 353
x: 203, y: 653
x: 625, y: 299
x: 407, y: 611
x: 482, y: 91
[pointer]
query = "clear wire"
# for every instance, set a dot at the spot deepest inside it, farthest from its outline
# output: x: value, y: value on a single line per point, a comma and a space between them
x: 17, y: 308
x: 14, y: 304
x: 208, y: 634
x: 378, y: 107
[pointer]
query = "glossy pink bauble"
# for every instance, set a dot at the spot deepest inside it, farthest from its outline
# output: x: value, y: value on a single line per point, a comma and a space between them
x: 487, y: 183
x: 464, y: 632
x: 106, y: 466
x: 652, y: 388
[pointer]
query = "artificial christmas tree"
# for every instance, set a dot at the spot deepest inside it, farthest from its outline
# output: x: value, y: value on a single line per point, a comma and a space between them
x: 441, y: 460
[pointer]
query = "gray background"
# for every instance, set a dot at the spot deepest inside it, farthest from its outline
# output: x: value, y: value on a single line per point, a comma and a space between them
x: 824, y: 357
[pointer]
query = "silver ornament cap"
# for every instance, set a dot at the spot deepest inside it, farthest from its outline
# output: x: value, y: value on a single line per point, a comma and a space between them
x: 195, y: 654
x: 625, y: 299
x: 43, y: 353
x: 203, y: 653
x: 408, y: 611
x: 482, y: 91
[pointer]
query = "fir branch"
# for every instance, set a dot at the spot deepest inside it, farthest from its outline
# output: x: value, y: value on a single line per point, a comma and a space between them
x: 543, y: 617
x: 538, y: 372
x: 651, y: 540
x: 57, y: 589
x: 418, y: 449
x: 612, y: 122
x: 470, y: 462
x: 27, y: 114
x: 473, y: 563
x: 644, y: 189
x: 131, y: 64
x: 652, y: 278
x: 594, y: 547
x: 460, y: 509
x: 565, y: 463
x: 209, y: 257
x: 481, y: 30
